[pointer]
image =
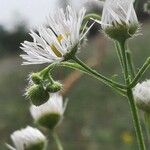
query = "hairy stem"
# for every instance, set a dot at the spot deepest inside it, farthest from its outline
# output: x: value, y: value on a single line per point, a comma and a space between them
x: 76, y: 66
x: 95, y: 73
x: 119, y: 54
x: 130, y: 63
x: 121, y: 89
x: 145, y: 66
x: 134, y: 112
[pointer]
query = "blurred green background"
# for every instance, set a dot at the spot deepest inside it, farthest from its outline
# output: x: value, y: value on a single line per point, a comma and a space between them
x: 96, y: 117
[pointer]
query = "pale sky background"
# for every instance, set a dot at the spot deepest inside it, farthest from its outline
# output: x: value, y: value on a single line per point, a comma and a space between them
x: 32, y: 11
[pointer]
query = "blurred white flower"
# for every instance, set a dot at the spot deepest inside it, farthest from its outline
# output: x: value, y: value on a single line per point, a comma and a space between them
x: 119, y: 18
x: 28, y: 139
x: 54, y: 41
x: 141, y: 94
x: 51, y: 113
x: 147, y: 7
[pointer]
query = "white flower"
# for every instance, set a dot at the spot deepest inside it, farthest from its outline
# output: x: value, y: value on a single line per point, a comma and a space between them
x: 141, y: 94
x: 147, y: 7
x: 60, y: 36
x: 28, y: 139
x: 50, y: 113
x: 119, y: 15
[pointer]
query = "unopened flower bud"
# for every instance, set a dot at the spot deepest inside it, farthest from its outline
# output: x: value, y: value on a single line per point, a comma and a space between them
x: 28, y: 139
x: 36, y: 78
x: 55, y: 87
x: 141, y: 94
x: 49, y: 114
x: 37, y: 94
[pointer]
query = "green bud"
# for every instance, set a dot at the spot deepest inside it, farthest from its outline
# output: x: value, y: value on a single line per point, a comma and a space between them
x: 55, y: 87
x: 49, y: 120
x: 36, y: 78
x: 37, y: 94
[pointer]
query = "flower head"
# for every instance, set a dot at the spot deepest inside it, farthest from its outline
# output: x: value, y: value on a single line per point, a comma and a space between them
x: 28, y: 139
x: 141, y: 94
x: 53, y: 42
x: 119, y: 19
x: 49, y: 114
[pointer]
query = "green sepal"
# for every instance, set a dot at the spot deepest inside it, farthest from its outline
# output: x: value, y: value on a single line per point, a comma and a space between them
x: 49, y: 120
x: 55, y: 87
x: 36, y: 146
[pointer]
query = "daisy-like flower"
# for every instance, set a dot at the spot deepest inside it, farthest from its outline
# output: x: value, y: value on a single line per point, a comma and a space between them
x: 141, y: 94
x: 119, y: 20
x: 28, y: 139
x: 54, y: 42
x: 51, y: 113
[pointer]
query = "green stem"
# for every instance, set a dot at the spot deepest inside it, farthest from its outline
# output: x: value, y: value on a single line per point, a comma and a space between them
x: 119, y: 54
x: 76, y: 66
x: 57, y: 141
x: 147, y: 124
x: 130, y: 63
x: 125, y: 63
x: 134, y: 112
x: 92, y: 15
x: 140, y: 72
x: 121, y: 88
x: 101, y: 77
x: 136, y: 120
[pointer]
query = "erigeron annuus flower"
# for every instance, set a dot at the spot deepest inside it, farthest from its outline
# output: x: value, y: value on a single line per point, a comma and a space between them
x: 119, y: 20
x: 141, y: 94
x: 53, y: 42
x: 28, y: 139
x: 51, y: 113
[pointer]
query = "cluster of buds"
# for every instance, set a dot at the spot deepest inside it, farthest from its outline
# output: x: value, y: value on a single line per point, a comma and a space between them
x: 40, y: 88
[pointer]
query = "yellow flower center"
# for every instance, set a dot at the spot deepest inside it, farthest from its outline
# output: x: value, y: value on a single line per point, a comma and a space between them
x: 59, y: 38
x: 53, y: 47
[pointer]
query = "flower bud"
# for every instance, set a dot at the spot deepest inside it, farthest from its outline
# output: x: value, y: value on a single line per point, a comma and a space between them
x: 37, y: 94
x: 119, y: 20
x: 141, y: 94
x: 36, y: 78
x: 49, y: 114
x: 55, y: 87
x: 28, y: 139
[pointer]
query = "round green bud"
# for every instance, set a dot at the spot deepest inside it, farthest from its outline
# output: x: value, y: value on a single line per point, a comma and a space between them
x: 37, y: 94
x: 55, y: 87
x: 36, y: 78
